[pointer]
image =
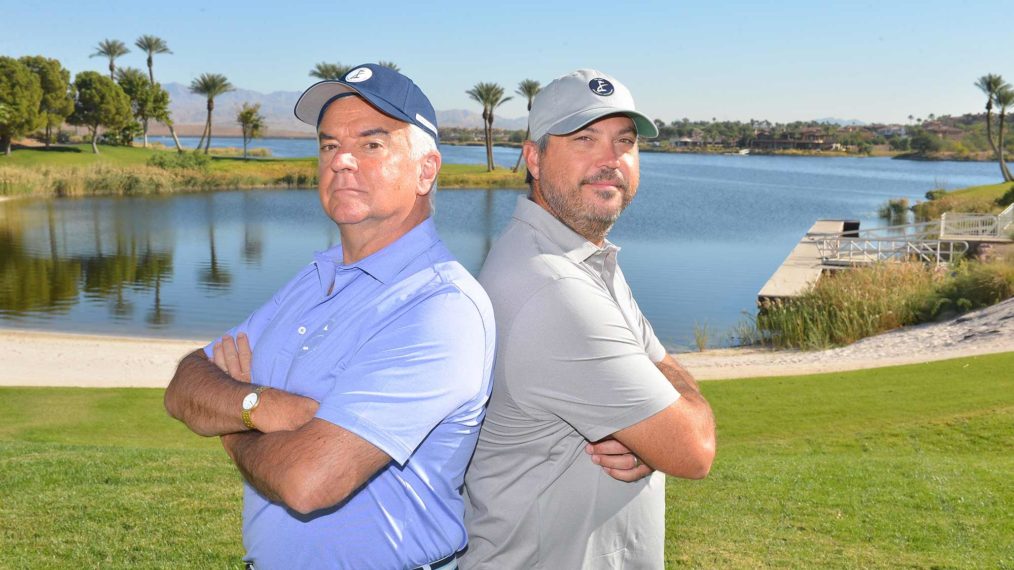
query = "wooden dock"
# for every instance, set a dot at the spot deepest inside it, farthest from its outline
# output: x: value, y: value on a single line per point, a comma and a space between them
x: 803, y: 266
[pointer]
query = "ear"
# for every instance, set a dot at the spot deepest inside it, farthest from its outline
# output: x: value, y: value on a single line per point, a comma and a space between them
x: 531, y: 153
x: 429, y: 167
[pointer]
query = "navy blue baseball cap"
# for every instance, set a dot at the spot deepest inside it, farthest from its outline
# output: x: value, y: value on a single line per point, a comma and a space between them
x: 389, y: 91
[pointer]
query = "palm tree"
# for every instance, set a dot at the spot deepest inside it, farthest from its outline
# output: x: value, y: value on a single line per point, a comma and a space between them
x: 210, y: 85
x: 1004, y: 100
x: 990, y: 84
x: 389, y: 65
x: 251, y: 122
x: 111, y: 49
x: 528, y: 89
x: 329, y: 71
x: 152, y: 45
x: 490, y: 95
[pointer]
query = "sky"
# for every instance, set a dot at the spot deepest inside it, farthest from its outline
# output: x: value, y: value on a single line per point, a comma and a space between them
x: 875, y: 61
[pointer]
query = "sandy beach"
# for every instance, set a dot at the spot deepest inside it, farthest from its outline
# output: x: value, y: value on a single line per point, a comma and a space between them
x: 55, y: 359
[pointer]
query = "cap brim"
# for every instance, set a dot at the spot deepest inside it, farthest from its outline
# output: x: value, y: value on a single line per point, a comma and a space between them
x: 315, y: 99
x: 645, y: 127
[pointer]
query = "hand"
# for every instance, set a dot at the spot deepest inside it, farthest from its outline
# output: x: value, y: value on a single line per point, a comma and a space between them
x: 617, y: 461
x: 234, y: 357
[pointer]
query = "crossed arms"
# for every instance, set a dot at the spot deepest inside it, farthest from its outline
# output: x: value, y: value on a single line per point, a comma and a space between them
x: 292, y: 457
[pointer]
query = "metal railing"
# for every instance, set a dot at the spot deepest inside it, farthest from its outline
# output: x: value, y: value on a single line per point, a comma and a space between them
x: 858, y: 251
x: 977, y: 225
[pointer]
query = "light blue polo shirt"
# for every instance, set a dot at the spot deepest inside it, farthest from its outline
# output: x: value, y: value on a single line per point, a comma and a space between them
x: 400, y: 353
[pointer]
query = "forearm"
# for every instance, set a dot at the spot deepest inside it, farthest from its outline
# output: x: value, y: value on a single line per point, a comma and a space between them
x: 307, y: 469
x: 688, y: 388
x: 209, y: 402
x: 204, y: 398
x: 699, y: 420
x: 259, y: 459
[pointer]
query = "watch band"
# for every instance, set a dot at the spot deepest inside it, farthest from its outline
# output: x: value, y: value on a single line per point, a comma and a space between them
x: 247, y: 419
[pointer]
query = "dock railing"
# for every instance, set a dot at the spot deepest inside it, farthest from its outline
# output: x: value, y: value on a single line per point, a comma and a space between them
x: 977, y: 225
x: 861, y: 251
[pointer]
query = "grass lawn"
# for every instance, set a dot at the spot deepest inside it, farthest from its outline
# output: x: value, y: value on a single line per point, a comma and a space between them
x: 896, y: 467
x: 987, y: 191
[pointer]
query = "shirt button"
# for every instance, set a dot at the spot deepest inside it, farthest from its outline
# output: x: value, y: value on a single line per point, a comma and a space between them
x: 301, y: 330
x: 305, y: 348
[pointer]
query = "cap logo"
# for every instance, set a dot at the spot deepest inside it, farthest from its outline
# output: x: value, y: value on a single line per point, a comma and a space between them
x: 601, y: 87
x: 358, y: 75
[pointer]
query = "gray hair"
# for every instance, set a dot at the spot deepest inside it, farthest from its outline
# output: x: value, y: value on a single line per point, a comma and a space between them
x: 541, y: 143
x: 421, y: 143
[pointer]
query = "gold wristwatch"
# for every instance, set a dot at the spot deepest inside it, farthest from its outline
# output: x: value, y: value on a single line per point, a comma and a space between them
x: 251, y: 401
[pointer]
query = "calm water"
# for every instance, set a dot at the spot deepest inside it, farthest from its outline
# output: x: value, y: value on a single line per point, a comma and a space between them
x: 698, y: 242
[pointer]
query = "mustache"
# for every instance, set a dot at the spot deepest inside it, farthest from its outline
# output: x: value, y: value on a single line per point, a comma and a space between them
x: 613, y: 177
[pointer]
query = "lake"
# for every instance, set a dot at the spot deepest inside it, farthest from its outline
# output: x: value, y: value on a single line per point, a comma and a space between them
x: 702, y: 236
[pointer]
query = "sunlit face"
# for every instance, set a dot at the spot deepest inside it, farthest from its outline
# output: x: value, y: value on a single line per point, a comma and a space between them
x: 589, y: 176
x: 368, y: 178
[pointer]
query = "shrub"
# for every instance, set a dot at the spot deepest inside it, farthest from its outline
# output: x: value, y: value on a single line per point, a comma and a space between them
x: 1007, y: 199
x: 936, y: 194
x: 895, y: 210
x: 176, y: 161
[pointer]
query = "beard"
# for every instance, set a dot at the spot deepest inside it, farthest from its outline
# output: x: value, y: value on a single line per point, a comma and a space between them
x: 591, y: 222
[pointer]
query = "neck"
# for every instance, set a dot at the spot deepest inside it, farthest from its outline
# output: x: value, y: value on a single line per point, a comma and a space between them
x: 359, y: 242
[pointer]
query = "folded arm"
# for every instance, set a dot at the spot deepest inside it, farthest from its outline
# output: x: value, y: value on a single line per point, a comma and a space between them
x: 209, y: 401
x: 680, y: 439
x: 316, y: 466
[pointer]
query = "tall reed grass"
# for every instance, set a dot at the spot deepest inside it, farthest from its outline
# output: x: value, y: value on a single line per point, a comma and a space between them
x: 852, y: 304
x: 160, y: 177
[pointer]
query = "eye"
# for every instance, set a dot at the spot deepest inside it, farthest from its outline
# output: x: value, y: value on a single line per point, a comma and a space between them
x: 373, y: 145
x: 628, y: 141
x: 328, y: 147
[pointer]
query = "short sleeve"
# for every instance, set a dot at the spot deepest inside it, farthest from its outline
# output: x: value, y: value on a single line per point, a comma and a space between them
x: 415, y: 371
x: 573, y: 355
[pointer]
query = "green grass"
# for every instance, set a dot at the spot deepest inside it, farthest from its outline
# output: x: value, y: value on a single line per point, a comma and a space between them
x: 74, y: 170
x: 975, y: 199
x: 895, y: 467
x: 991, y: 191
x: 902, y: 467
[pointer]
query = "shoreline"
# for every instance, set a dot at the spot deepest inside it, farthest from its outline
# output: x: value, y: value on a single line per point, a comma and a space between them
x: 107, y: 361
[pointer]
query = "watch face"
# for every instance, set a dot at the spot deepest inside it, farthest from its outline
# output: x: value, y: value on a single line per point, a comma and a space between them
x: 250, y: 401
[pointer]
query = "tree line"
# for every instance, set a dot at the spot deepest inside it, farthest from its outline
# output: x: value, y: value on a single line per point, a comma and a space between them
x: 36, y: 93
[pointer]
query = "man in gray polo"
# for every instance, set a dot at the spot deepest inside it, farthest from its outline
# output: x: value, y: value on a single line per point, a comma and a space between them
x: 586, y: 403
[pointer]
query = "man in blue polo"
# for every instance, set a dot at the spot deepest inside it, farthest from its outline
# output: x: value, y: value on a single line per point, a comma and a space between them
x: 351, y: 401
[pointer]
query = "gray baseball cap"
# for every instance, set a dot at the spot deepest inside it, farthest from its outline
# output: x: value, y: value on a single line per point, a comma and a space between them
x: 576, y: 99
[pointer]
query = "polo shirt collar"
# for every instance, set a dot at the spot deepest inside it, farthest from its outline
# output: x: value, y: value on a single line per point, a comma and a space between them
x: 383, y: 265
x: 573, y: 245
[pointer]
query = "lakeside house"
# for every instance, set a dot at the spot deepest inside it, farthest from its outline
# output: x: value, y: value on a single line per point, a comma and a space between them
x: 809, y: 138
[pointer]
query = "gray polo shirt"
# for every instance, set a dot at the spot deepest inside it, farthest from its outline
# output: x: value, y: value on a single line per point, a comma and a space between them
x: 575, y: 363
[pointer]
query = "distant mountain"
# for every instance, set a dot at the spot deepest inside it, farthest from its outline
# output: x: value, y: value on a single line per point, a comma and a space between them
x: 842, y: 122
x: 472, y: 119
x: 190, y: 109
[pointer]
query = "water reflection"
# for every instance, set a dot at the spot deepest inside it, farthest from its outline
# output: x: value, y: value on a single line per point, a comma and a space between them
x: 53, y: 276
x: 698, y: 243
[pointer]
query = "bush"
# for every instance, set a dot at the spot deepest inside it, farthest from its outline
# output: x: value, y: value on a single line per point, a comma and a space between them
x: 924, y: 142
x: 1007, y: 199
x: 177, y: 161
x: 936, y: 194
x: 895, y: 211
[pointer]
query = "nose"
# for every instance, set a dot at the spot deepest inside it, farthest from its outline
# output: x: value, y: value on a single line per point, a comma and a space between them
x: 343, y: 161
x: 609, y: 155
